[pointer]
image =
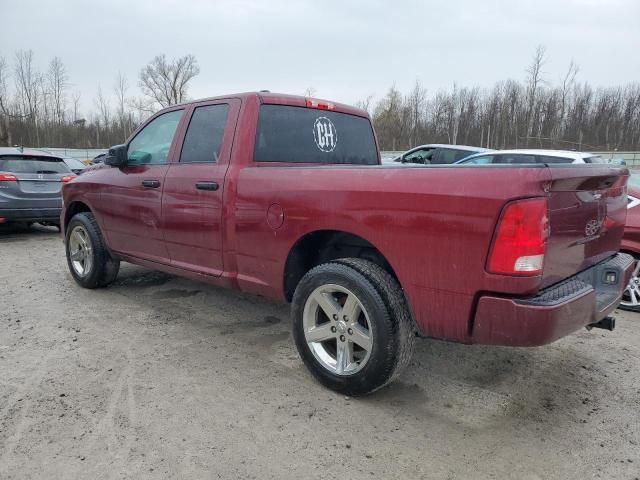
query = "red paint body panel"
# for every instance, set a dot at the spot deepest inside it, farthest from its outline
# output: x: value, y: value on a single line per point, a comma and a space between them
x: 433, y: 225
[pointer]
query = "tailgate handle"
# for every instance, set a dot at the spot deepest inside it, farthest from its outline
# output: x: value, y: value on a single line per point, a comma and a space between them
x: 207, y: 186
x: 151, y: 183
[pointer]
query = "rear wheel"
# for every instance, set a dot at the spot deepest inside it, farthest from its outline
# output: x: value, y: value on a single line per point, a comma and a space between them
x: 631, y: 296
x: 352, y: 326
x: 89, y: 261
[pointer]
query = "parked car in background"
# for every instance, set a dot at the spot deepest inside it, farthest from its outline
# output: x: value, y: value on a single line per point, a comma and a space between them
x: 74, y: 164
x: 437, y: 154
x: 631, y: 244
x: 528, y: 156
x: 98, y: 159
x: 284, y: 196
x: 30, y: 186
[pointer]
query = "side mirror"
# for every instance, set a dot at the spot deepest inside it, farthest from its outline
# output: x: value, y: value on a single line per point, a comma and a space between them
x: 117, y: 156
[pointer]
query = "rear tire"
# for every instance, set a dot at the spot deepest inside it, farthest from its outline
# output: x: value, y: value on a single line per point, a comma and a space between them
x: 89, y: 261
x: 352, y: 325
x: 631, y: 296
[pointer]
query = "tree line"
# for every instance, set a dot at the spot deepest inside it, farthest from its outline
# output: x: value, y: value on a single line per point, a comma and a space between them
x: 513, y: 114
x: 41, y: 108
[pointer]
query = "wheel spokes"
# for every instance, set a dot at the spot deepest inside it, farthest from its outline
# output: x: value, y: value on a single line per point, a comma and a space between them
x: 343, y: 344
x: 320, y: 333
x: 77, y: 256
x: 351, y: 309
x: 327, y: 303
x: 344, y: 357
x: 361, y: 337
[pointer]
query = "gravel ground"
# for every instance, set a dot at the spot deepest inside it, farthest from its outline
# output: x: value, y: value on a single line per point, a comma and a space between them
x: 161, y: 377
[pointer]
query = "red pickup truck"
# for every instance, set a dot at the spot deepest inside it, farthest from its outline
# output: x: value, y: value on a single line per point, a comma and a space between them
x: 285, y: 197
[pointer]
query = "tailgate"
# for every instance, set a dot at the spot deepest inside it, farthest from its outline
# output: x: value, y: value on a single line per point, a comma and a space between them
x: 587, y: 213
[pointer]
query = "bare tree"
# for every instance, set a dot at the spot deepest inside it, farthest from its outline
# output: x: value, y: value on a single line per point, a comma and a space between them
x: 534, y: 80
x: 57, y: 84
x: 165, y: 81
x: 310, y: 92
x: 120, y: 88
x: 5, y: 128
x: 75, y: 98
x: 366, y: 104
x: 28, y: 88
x: 415, y: 107
x: 104, y: 109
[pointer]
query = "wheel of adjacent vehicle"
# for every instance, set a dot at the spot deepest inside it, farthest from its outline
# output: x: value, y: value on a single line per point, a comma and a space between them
x: 352, y: 326
x: 631, y: 296
x: 89, y: 261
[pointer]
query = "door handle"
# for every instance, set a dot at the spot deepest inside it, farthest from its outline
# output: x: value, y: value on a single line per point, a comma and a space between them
x: 151, y: 183
x: 207, y: 186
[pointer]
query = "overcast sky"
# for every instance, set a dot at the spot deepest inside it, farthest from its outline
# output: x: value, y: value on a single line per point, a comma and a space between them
x: 346, y: 50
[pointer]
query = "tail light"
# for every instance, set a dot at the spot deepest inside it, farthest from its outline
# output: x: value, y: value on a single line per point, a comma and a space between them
x: 520, y: 240
x: 313, y: 103
x: 8, y: 177
x: 67, y: 178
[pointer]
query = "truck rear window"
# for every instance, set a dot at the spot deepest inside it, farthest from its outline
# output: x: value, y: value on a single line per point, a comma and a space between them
x: 308, y: 135
x: 17, y: 164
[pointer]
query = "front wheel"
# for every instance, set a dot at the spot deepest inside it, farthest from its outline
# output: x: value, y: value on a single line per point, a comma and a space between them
x: 352, y: 326
x: 89, y: 261
x: 631, y: 296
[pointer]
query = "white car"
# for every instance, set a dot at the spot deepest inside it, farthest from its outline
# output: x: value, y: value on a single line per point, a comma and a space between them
x: 520, y: 156
x: 436, y: 154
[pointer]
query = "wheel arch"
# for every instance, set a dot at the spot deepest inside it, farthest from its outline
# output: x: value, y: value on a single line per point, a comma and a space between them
x: 75, y: 207
x: 321, y: 246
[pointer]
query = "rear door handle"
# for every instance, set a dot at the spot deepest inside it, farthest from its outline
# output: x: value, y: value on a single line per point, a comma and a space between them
x: 207, y: 186
x: 151, y: 183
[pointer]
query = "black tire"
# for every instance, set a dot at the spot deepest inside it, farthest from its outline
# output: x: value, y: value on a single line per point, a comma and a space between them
x: 104, y: 268
x: 392, y: 326
x: 626, y: 303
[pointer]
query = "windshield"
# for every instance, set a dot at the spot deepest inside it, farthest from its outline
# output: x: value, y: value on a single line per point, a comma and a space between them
x: 17, y: 164
x: 74, y: 163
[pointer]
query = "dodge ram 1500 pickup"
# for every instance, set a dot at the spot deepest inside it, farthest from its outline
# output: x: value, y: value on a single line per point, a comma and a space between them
x: 285, y: 197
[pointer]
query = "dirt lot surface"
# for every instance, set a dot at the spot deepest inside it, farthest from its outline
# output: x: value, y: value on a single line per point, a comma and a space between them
x: 161, y: 377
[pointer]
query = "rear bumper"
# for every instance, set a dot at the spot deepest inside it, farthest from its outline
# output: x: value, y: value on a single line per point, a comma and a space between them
x: 31, y: 214
x: 557, y: 311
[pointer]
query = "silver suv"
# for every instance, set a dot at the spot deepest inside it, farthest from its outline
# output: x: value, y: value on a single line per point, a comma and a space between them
x: 31, y: 185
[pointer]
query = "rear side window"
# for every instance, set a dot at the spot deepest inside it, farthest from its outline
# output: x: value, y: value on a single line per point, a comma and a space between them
x: 483, y: 160
x: 547, y: 159
x: 203, y: 140
x: 308, y: 135
x: 451, y: 155
x: 514, y: 159
x: 595, y: 159
x: 17, y: 164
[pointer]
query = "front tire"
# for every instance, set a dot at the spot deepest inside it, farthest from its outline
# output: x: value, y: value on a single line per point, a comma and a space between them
x: 89, y: 261
x: 352, y: 326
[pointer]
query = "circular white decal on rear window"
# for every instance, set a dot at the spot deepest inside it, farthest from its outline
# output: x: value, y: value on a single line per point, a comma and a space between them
x: 325, y: 134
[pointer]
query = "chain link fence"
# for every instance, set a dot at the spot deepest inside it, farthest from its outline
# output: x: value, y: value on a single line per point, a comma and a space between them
x: 83, y: 154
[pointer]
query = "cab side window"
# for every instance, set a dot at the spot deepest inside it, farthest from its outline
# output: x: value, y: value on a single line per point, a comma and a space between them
x: 151, y: 146
x: 203, y: 140
x: 423, y: 156
x: 446, y: 156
